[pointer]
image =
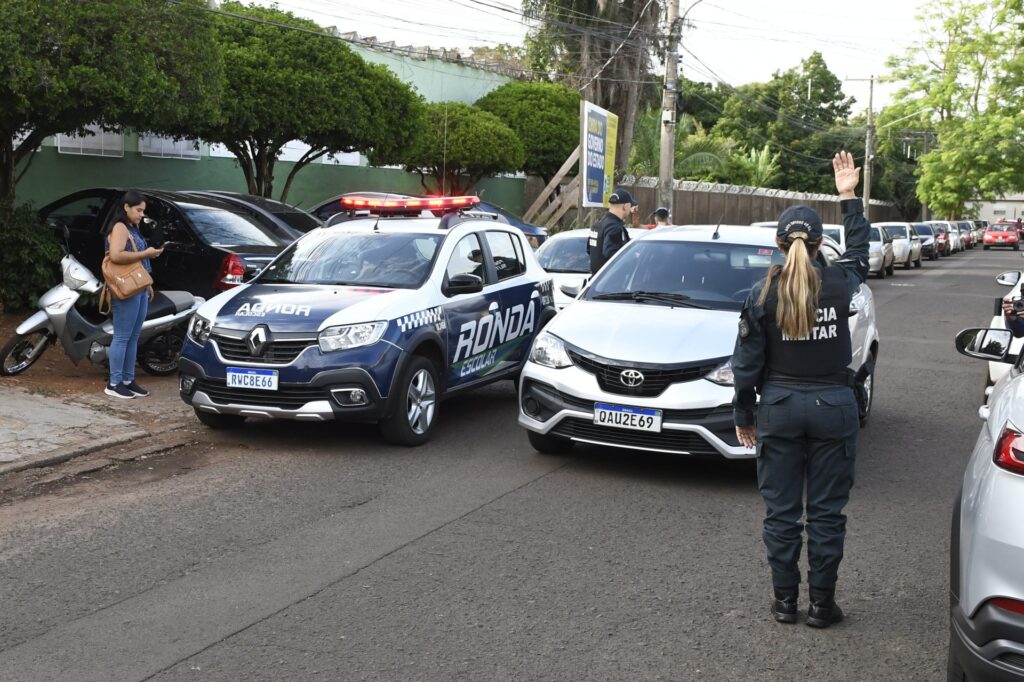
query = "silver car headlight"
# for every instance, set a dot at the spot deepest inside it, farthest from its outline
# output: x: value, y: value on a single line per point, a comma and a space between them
x: 351, y: 336
x: 722, y: 375
x: 199, y: 329
x: 549, y: 350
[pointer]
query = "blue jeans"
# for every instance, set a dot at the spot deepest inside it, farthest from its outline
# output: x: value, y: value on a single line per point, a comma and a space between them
x: 129, y: 315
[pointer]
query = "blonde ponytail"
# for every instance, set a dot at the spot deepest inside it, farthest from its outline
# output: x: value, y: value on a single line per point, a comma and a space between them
x: 798, y: 290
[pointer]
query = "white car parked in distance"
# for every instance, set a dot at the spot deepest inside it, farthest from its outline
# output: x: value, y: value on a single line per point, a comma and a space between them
x: 881, y: 259
x: 906, y: 244
x: 642, y: 359
x: 564, y: 256
x: 986, y: 640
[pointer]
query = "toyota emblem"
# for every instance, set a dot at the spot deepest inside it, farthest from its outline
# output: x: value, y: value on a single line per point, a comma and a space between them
x: 631, y: 377
x: 257, y: 340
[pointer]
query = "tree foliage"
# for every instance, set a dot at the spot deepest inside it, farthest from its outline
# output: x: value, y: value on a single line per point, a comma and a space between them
x: 545, y: 116
x: 800, y: 112
x: 287, y: 79
x: 457, y: 145
x: 964, y: 80
x: 592, y: 47
x: 67, y: 64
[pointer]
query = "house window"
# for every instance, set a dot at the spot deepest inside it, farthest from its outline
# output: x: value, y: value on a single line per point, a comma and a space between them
x: 168, y: 148
x: 100, y: 143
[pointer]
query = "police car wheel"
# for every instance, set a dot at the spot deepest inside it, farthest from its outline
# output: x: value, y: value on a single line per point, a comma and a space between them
x: 220, y: 421
x: 413, y: 420
x: 549, y: 445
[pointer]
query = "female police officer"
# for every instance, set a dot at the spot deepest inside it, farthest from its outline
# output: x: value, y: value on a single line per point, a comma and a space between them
x: 794, y: 348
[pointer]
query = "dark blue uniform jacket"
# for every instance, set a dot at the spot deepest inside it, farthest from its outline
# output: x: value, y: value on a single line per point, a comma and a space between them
x: 749, y: 360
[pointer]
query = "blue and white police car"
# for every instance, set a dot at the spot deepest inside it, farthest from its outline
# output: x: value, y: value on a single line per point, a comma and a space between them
x: 375, y: 319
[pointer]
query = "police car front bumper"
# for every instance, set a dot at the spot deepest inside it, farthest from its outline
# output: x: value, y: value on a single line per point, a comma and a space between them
x: 697, y: 416
x: 348, y: 394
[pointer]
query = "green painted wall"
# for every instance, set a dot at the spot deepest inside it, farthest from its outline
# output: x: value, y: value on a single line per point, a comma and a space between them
x: 53, y: 175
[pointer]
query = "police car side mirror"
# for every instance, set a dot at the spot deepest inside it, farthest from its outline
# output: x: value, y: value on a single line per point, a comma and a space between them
x: 1009, y: 279
x: 987, y: 344
x: 463, y: 284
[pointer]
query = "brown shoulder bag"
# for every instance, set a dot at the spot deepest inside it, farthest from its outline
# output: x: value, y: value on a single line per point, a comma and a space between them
x: 124, y: 281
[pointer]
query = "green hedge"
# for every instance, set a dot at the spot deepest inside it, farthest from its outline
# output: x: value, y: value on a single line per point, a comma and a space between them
x: 29, y: 259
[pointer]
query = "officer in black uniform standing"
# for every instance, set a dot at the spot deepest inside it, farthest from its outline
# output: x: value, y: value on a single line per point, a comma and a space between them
x: 794, y: 349
x: 609, y: 234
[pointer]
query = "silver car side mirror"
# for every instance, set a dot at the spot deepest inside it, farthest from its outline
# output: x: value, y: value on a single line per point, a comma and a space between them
x: 572, y: 290
x: 1009, y: 279
x: 987, y: 344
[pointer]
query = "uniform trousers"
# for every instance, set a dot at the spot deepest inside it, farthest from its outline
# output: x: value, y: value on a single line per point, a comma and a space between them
x: 806, y: 443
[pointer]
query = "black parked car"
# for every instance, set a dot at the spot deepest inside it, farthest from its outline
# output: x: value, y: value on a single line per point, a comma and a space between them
x: 210, y: 244
x: 288, y: 221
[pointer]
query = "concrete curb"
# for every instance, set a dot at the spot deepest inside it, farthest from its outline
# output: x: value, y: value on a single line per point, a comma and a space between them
x: 65, y: 453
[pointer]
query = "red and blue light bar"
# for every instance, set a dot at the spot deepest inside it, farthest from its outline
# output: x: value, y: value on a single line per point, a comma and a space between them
x: 398, y: 205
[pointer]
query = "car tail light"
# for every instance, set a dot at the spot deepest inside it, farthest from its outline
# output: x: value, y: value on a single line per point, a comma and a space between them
x: 1007, y: 604
x: 1009, y: 453
x: 231, y: 272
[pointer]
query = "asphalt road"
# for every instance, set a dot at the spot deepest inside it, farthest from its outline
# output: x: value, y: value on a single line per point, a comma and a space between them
x: 295, y: 551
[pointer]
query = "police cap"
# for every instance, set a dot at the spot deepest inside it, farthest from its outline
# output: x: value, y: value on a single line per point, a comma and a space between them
x: 621, y: 196
x: 797, y: 219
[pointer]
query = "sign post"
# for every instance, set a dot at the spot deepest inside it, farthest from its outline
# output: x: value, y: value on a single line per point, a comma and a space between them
x: 598, y: 134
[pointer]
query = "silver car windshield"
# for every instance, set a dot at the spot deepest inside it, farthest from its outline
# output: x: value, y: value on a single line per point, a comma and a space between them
x: 712, y: 274
x: 399, y: 260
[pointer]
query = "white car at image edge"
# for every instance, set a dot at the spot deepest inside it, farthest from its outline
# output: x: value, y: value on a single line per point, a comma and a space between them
x: 986, y: 618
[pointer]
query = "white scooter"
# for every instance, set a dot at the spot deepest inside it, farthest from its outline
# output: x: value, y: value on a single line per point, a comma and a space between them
x: 86, y: 333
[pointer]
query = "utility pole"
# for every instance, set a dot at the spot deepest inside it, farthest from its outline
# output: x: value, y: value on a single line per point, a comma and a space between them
x: 869, y: 148
x: 669, y: 97
x: 869, y: 142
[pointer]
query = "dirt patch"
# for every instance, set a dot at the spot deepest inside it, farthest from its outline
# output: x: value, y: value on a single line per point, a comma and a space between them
x: 76, y: 479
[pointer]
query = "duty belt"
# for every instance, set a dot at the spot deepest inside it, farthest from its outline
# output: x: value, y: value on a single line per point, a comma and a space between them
x: 844, y: 378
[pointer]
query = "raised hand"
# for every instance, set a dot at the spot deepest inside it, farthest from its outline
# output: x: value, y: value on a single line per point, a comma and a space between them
x: 847, y: 174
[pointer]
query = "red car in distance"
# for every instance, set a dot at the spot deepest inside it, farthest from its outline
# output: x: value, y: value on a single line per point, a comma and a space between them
x: 1003, y: 233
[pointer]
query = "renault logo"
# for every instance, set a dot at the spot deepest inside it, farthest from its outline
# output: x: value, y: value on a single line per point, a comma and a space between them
x: 631, y: 378
x: 257, y: 340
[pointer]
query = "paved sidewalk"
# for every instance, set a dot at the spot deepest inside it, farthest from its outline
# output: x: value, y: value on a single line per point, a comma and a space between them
x: 38, y: 429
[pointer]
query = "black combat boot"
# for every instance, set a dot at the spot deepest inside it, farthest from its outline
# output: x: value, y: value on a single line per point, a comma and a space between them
x: 823, y: 610
x: 784, y: 604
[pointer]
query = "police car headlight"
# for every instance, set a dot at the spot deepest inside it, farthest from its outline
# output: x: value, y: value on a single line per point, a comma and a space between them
x: 199, y: 329
x: 549, y: 351
x: 351, y: 336
x: 723, y: 375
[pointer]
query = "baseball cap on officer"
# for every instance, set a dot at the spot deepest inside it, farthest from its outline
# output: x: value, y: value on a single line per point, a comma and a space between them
x: 797, y: 219
x: 621, y: 196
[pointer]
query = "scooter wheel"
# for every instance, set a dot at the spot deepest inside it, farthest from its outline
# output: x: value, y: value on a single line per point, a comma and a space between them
x: 159, y: 356
x: 22, y: 351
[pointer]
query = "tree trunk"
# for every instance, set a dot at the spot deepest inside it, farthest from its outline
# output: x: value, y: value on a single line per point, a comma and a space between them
x: 307, y: 158
x: 244, y: 158
x: 7, y: 163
